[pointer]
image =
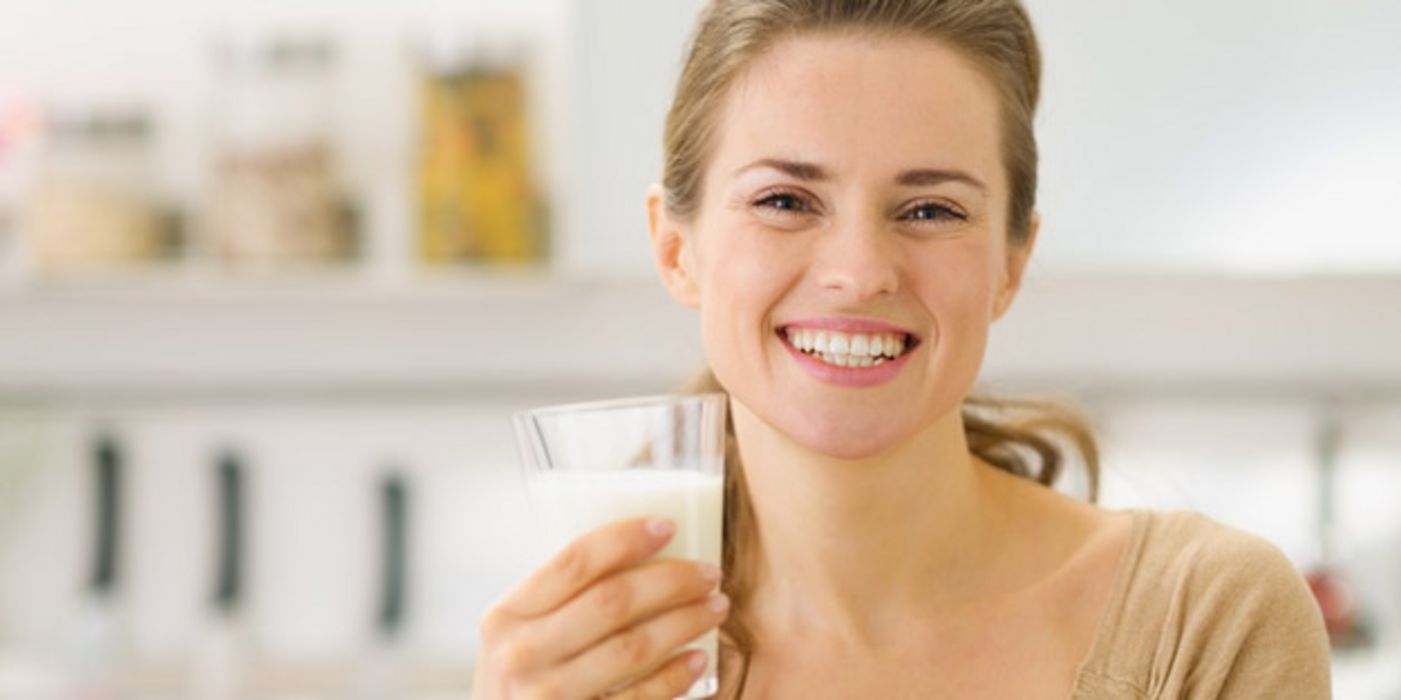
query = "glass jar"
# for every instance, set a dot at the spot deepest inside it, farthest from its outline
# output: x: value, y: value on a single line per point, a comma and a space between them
x: 93, y: 202
x: 476, y: 194
x: 275, y: 195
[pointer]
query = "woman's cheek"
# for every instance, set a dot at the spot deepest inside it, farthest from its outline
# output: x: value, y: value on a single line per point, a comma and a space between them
x: 750, y: 260
x: 956, y: 281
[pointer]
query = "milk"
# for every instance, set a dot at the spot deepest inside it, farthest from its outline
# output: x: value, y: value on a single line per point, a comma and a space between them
x: 570, y: 503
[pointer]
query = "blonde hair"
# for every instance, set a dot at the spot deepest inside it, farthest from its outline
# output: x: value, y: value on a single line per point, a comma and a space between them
x: 1024, y: 437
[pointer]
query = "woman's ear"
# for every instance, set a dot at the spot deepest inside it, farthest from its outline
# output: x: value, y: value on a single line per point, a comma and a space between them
x: 1017, y: 257
x: 671, y: 250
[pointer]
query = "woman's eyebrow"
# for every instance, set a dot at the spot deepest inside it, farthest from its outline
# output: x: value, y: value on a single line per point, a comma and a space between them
x: 807, y: 172
x: 931, y: 176
x: 812, y: 172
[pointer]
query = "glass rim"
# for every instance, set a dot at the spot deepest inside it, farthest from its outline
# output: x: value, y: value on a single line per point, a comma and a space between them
x: 625, y: 402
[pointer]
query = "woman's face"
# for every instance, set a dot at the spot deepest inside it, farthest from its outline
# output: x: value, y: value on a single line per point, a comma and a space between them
x: 855, y: 197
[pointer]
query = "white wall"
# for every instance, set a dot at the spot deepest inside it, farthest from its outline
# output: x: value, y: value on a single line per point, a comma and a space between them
x: 627, y: 56
x: 1251, y: 135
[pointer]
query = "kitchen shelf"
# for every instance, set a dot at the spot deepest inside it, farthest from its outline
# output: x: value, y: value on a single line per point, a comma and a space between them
x: 335, y: 336
x: 529, y: 330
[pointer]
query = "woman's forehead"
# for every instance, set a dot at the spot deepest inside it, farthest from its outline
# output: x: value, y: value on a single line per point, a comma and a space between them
x: 858, y: 103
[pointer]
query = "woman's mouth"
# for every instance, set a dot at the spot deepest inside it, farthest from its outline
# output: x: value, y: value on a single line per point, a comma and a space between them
x: 840, y: 349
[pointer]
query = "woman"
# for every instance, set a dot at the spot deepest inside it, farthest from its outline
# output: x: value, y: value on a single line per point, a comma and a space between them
x: 848, y: 202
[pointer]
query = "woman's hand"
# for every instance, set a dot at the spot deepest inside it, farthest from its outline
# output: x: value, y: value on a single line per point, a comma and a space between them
x: 597, y: 619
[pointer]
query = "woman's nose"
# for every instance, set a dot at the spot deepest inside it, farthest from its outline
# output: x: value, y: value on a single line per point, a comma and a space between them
x: 860, y: 261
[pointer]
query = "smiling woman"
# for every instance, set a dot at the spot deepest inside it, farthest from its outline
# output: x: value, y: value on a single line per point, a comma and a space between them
x: 849, y: 202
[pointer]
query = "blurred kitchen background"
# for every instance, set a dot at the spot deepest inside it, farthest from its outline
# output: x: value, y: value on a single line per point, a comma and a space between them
x: 274, y: 275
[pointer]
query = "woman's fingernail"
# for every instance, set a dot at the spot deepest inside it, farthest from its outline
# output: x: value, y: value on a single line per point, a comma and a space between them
x: 709, y: 572
x: 697, y: 662
x: 661, y: 527
x: 718, y: 602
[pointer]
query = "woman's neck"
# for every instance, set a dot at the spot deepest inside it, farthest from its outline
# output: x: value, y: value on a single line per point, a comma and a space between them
x: 851, y: 550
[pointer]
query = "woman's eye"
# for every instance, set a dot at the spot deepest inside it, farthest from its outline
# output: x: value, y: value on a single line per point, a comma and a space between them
x: 935, y: 212
x: 782, y: 201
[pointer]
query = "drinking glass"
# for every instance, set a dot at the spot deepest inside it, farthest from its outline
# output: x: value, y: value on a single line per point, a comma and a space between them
x: 588, y: 464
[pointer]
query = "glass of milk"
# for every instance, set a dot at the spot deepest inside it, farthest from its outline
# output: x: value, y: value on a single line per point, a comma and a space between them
x: 589, y: 464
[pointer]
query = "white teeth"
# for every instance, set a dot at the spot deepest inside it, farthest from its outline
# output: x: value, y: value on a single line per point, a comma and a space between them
x: 860, y: 345
x: 839, y: 344
x: 843, y: 350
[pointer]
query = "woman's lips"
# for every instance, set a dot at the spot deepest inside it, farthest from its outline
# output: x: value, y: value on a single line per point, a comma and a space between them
x: 873, y: 349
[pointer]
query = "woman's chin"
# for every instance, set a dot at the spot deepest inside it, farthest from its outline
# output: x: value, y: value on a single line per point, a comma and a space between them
x: 845, y: 439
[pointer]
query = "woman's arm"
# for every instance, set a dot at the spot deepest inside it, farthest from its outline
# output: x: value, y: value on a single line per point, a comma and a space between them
x: 1285, y: 651
x: 1212, y: 612
x: 1243, y: 624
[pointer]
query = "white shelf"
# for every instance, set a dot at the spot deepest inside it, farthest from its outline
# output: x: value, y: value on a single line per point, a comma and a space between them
x: 1197, y: 334
x: 531, y: 331
x: 330, y: 336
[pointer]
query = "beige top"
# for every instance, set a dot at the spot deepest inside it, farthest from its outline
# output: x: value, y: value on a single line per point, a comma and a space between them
x: 1200, y: 610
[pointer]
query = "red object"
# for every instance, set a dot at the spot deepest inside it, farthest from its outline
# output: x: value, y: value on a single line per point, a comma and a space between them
x: 1336, y: 602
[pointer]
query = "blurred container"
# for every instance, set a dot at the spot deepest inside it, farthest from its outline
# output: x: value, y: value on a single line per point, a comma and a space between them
x: 93, y: 203
x: 275, y: 196
x: 476, y: 194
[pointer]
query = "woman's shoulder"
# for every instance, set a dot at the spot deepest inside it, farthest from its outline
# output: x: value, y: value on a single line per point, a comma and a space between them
x: 1204, y: 553
x: 1185, y: 556
x: 1182, y: 565
x: 1200, y: 607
